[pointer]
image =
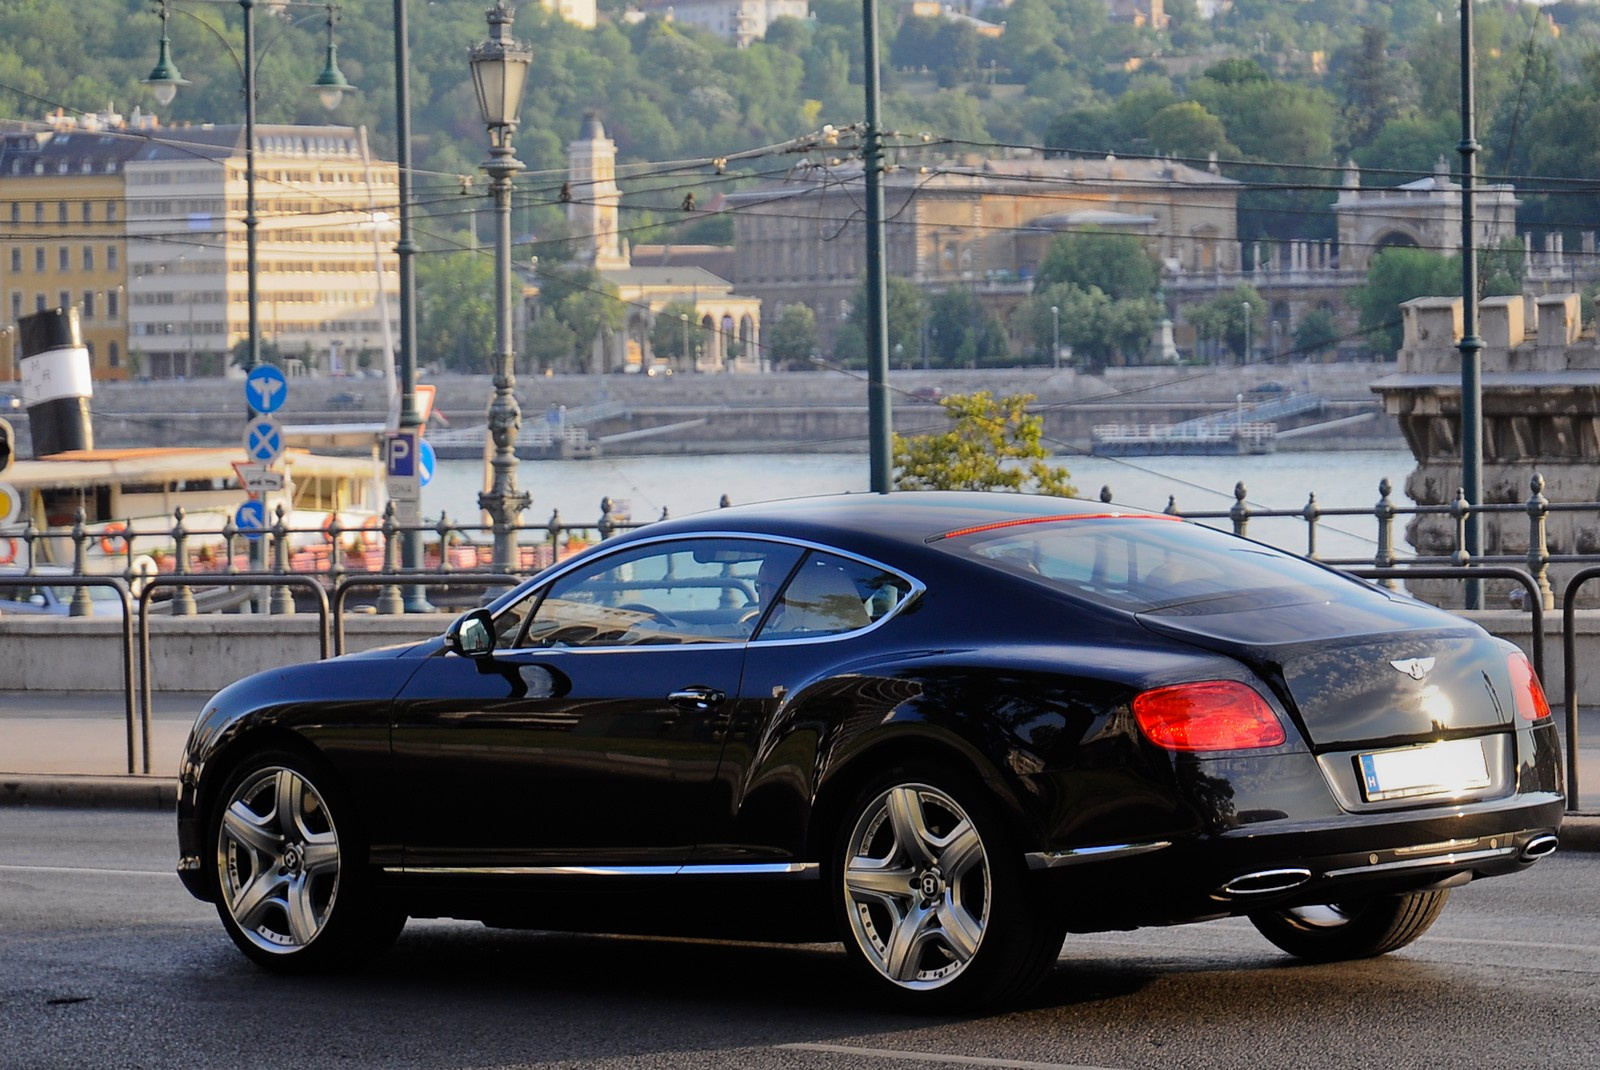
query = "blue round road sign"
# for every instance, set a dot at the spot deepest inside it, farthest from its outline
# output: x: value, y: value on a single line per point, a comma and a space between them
x: 265, y: 389
x: 251, y: 519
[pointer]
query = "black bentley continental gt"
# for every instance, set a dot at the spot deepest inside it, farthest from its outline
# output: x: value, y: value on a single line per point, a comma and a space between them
x: 946, y: 729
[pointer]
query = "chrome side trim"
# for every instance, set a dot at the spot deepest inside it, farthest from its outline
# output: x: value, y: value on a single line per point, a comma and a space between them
x: 1079, y: 855
x: 797, y: 870
x: 1425, y: 863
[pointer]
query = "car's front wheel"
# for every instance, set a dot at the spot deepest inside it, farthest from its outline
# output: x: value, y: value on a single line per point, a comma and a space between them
x: 294, y: 891
x: 935, y: 900
x: 1353, y: 928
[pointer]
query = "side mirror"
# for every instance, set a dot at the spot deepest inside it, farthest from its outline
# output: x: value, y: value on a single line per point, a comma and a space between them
x: 472, y: 634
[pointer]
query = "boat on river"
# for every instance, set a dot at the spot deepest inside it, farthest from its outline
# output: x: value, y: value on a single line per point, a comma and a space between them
x: 127, y: 503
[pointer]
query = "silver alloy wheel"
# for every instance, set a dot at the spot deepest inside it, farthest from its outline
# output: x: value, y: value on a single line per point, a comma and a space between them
x: 278, y: 860
x: 916, y: 883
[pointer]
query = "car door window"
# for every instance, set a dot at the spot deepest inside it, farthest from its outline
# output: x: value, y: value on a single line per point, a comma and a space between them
x: 830, y: 595
x: 683, y: 591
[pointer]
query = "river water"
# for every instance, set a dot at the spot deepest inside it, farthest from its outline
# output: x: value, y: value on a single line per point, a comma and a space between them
x: 643, y: 486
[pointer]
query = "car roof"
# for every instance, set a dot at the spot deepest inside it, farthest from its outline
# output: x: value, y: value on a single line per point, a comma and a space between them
x: 904, y: 516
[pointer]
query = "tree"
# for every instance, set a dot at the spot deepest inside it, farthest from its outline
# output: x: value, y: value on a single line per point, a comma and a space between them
x: 991, y: 445
x: 962, y: 333
x: 455, y: 315
x: 793, y: 339
x: 1230, y: 319
x: 1394, y: 277
x: 549, y: 343
x: 675, y: 332
x: 906, y: 307
x: 1117, y: 264
x: 1317, y: 332
x: 1102, y: 331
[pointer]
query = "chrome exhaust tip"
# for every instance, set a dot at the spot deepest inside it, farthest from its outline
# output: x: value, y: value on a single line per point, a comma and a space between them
x: 1538, y: 847
x: 1264, y: 882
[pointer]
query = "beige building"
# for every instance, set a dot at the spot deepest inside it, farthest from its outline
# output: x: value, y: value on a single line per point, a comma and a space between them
x: 61, y: 204
x: 142, y: 228
x: 724, y: 333
x: 981, y: 224
x: 1425, y: 214
x: 325, y: 249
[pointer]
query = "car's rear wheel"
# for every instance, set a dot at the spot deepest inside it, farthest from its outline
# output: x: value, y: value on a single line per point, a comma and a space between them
x: 1352, y: 928
x: 935, y: 901
x: 294, y: 889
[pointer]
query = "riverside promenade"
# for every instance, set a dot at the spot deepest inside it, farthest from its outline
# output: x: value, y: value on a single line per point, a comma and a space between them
x: 70, y: 749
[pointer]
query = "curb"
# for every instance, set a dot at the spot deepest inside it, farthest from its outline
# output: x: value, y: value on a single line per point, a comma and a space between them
x: 89, y: 792
x: 1579, y: 831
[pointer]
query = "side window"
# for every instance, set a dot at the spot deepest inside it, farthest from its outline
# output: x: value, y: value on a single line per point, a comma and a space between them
x: 829, y: 595
x: 687, y: 591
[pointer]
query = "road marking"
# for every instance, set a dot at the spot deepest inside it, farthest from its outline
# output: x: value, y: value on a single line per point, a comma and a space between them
x: 87, y: 869
x: 935, y: 1057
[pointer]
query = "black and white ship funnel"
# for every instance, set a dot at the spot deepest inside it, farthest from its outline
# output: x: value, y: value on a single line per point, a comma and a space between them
x: 56, y: 383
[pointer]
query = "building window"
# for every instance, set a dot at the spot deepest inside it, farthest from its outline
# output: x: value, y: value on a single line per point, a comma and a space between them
x: 88, y: 212
x: 113, y: 355
x: 63, y: 259
x: 88, y: 258
x: 65, y: 299
x: 38, y: 303
x: 16, y: 260
x: 38, y: 211
x: 113, y: 303
x: 111, y: 258
x: 111, y: 211
x: 61, y: 212
x: 16, y: 211
x: 38, y: 260
x: 16, y: 304
x: 88, y: 304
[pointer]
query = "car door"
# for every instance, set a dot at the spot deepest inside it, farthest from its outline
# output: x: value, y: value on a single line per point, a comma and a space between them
x: 591, y: 736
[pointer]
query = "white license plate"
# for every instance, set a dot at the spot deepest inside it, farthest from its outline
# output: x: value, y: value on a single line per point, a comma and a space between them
x: 1432, y: 769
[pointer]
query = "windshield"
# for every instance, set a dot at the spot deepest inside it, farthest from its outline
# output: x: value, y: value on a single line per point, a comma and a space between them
x: 1142, y: 563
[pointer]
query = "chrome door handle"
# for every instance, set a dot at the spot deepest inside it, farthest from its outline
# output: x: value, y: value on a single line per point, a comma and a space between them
x: 696, y: 699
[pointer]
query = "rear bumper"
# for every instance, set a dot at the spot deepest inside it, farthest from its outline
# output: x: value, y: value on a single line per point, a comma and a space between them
x: 1283, y: 863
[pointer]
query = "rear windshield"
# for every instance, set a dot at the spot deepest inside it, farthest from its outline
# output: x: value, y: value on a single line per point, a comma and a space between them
x: 1143, y: 563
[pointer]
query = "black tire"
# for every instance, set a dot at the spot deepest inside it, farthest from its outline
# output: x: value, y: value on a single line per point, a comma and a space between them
x: 294, y: 890
x: 932, y: 896
x: 1351, y: 929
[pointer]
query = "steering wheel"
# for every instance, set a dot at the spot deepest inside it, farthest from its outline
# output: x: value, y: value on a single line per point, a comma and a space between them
x: 650, y: 611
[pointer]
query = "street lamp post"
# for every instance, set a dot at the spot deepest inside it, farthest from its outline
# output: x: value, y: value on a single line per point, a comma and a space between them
x: 499, y: 70
x: 1055, y: 336
x: 164, y: 81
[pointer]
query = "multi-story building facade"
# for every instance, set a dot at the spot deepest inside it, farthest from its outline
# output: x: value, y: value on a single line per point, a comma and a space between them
x: 63, y: 223
x: 142, y: 228
x: 985, y: 225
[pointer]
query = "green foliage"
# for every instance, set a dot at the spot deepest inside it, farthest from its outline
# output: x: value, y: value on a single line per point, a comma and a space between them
x: 1227, y: 319
x: 1101, y: 330
x: 455, y: 311
x: 1118, y: 264
x: 993, y: 444
x: 791, y: 341
x: 675, y: 334
x: 906, y: 306
x: 1394, y: 277
x: 1317, y: 332
x: 962, y: 333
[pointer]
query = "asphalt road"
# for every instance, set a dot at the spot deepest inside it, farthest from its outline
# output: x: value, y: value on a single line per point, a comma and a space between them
x: 106, y: 962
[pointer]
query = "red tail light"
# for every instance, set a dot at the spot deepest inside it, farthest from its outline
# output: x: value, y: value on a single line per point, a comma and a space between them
x: 1531, y: 703
x: 1205, y: 716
